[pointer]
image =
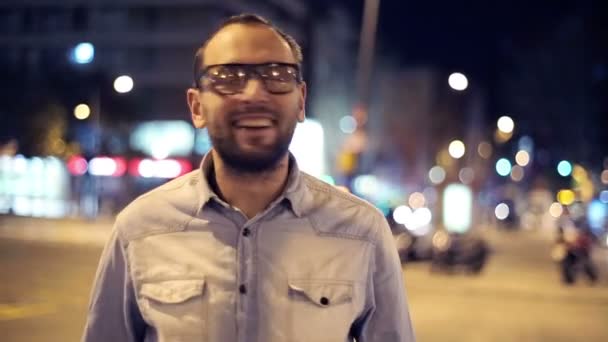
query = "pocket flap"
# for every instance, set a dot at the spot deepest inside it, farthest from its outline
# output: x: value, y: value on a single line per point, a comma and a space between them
x: 173, y: 291
x: 323, y: 293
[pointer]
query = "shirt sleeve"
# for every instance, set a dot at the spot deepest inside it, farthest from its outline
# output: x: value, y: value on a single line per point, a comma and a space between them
x: 113, y: 312
x: 388, y: 318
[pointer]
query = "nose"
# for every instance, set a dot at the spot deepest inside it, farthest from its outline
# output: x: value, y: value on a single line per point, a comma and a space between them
x: 254, y: 89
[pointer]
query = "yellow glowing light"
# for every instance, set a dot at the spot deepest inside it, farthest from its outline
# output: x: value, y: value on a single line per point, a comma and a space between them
x: 517, y: 173
x: 566, y: 197
x: 416, y: 200
x: 502, y: 137
x: 456, y: 149
x: 82, y: 111
x: 556, y: 209
x: 578, y: 173
x: 444, y: 159
x: 586, y: 190
x: 605, y: 177
x: 522, y: 158
x: 484, y: 149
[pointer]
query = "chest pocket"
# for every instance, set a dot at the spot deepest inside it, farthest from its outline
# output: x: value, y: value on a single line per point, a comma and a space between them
x: 177, y: 309
x: 321, y: 310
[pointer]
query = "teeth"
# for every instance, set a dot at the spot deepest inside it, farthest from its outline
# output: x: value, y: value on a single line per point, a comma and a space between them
x: 253, y: 122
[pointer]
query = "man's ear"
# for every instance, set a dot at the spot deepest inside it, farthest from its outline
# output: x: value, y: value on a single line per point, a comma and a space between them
x: 302, y: 103
x: 199, y: 119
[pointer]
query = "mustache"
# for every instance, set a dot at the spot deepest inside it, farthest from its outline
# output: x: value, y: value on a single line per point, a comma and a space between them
x: 249, y: 109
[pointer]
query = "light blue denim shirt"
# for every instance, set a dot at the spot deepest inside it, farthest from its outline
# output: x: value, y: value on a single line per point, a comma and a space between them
x: 318, y: 265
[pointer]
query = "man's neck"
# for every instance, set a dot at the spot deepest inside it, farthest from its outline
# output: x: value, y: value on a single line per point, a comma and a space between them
x: 250, y: 192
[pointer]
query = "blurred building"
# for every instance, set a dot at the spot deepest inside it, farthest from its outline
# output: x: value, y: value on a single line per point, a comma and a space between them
x: 154, y: 43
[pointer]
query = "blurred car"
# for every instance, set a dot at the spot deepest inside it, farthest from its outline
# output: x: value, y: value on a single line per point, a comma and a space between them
x: 409, y: 246
x: 458, y: 251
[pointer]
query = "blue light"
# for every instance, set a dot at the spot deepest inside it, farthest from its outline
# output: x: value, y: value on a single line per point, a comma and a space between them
x: 525, y: 143
x: 83, y: 53
x: 604, y: 196
x: 564, y: 168
x: 503, y: 167
x: 596, y: 215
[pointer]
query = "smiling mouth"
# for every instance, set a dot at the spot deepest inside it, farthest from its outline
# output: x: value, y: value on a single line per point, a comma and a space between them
x: 254, y: 123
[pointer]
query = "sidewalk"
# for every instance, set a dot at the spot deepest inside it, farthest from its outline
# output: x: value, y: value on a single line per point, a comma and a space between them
x: 73, y: 230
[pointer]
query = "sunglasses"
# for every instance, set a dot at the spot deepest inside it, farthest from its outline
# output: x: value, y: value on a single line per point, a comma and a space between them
x: 230, y: 79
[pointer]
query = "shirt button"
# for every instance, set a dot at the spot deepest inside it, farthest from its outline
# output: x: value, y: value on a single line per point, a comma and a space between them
x: 242, y: 289
x: 324, y: 301
x: 246, y: 232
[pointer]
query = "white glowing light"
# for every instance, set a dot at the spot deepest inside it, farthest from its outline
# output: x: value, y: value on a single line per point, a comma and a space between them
x: 308, y: 147
x: 458, y: 81
x: 102, y: 166
x: 456, y: 149
x: 402, y: 214
x: 505, y: 124
x: 123, y: 84
x: 501, y: 211
x: 457, y: 208
x: 167, y: 168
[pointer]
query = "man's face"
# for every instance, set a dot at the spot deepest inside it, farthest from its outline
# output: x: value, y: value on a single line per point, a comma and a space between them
x: 250, y: 130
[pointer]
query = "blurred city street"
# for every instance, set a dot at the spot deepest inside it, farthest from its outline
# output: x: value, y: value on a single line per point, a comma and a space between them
x: 46, y: 281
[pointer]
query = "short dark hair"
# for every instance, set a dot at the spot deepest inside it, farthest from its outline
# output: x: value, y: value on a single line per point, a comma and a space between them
x: 246, y: 18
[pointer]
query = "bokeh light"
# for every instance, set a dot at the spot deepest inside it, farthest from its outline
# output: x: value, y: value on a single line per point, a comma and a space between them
x: 82, y: 111
x: 83, y: 53
x: 456, y: 149
x: 402, y: 214
x: 579, y: 173
x: 437, y: 174
x: 517, y: 173
x: 123, y: 84
x: 556, y: 209
x: 505, y: 124
x: 348, y: 124
x: 526, y: 143
x: 458, y: 81
x: 564, y: 168
x: 503, y: 167
x: 604, y: 177
x: 484, y: 149
x: 604, y: 196
x: 566, y: 197
x: 522, y: 158
x: 416, y: 200
x: 466, y: 175
x: 501, y: 211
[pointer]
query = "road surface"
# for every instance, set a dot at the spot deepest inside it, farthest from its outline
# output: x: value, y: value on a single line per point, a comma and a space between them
x: 45, y: 284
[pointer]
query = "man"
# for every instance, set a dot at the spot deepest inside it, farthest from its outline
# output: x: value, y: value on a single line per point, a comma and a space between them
x: 248, y: 248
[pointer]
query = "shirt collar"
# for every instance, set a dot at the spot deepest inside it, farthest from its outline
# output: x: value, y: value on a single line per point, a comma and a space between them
x: 293, y: 192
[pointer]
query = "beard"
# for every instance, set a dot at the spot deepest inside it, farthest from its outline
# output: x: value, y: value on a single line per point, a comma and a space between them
x: 264, y: 158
